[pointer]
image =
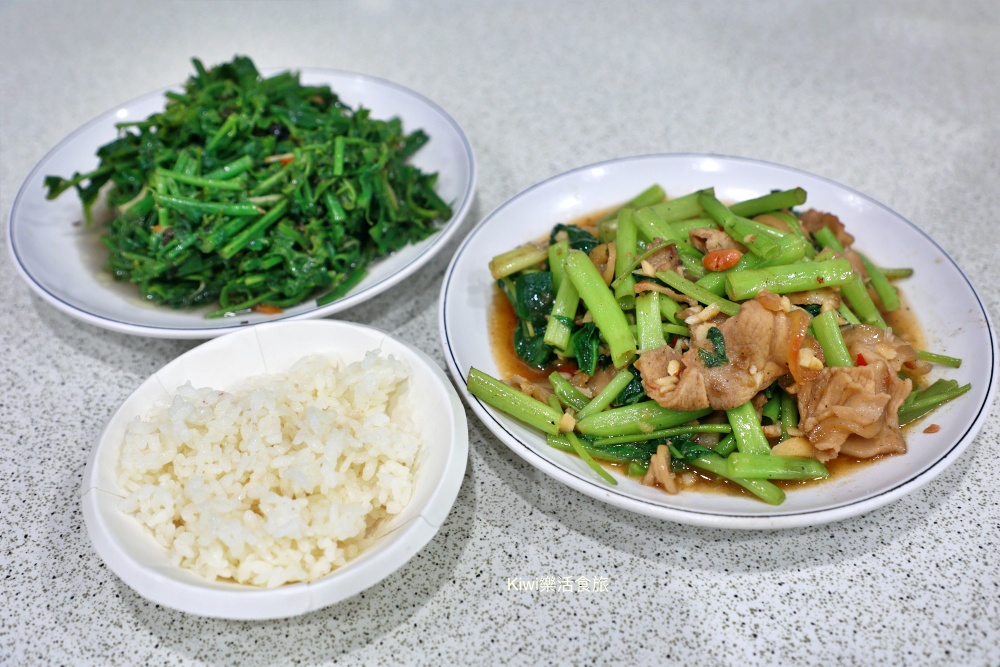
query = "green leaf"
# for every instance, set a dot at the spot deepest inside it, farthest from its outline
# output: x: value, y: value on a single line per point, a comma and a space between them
x: 534, y: 295
x: 579, y: 238
x: 529, y: 344
x: 718, y: 357
x: 632, y: 393
x: 585, y: 342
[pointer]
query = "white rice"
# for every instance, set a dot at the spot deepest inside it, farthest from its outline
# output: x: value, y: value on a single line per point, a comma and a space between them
x: 279, y: 481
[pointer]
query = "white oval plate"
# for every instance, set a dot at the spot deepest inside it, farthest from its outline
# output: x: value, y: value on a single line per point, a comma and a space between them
x: 950, y: 310
x: 62, y: 260
x: 428, y: 399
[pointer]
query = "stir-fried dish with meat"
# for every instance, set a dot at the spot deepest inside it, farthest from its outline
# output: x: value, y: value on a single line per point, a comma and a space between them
x: 746, y: 342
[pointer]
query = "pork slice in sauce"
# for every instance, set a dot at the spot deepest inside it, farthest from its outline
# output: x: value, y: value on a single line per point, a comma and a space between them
x: 708, y: 239
x: 665, y: 258
x: 812, y: 220
x: 825, y: 297
x: 757, y: 343
x: 854, y: 410
x: 536, y: 390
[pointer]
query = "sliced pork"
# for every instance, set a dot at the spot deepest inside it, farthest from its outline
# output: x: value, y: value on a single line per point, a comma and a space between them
x: 757, y: 341
x: 854, y: 410
x: 709, y: 239
x: 663, y: 259
x: 812, y: 220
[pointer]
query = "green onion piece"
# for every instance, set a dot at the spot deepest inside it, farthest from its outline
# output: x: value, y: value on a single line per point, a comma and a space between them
x: 557, y: 254
x: 755, y: 466
x: 789, y: 278
x: 941, y: 359
x: 726, y: 446
x: 679, y: 208
x: 574, y: 441
x: 600, y: 301
x: 827, y: 332
x: 825, y: 237
x: 683, y: 228
x: 663, y: 433
x: 621, y: 454
x: 750, y: 437
x: 559, y: 329
x: 847, y: 314
x: 518, y: 259
x: 637, y: 469
x: 199, y: 181
x: 603, y: 399
x: 669, y: 309
x: 643, y: 417
x: 256, y: 229
x: 649, y: 327
x: 880, y: 283
x: 921, y: 402
x: 346, y: 283
x: 761, y: 488
x: 795, y: 225
x: 675, y: 329
x: 893, y: 274
x: 861, y: 302
x: 773, y: 201
x: 772, y: 408
x: 740, y: 229
x: 188, y: 205
x: 567, y: 394
x: 696, y: 292
x: 519, y: 405
x: 339, y: 144
x: 626, y: 248
x: 789, y: 414
x: 652, y: 227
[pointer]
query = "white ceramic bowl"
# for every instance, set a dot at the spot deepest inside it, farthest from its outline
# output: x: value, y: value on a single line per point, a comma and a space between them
x: 62, y: 261
x: 428, y: 399
x: 953, y: 316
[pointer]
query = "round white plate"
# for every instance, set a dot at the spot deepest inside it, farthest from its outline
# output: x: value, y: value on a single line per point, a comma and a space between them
x: 62, y: 260
x: 428, y: 401
x: 953, y: 316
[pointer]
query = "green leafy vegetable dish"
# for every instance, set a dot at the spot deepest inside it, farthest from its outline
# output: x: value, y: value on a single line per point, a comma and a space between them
x: 248, y: 192
x: 685, y: 339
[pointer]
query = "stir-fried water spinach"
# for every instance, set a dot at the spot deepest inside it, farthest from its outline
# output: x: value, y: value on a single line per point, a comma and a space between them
x: 252, y: 192
x: 594, y: 302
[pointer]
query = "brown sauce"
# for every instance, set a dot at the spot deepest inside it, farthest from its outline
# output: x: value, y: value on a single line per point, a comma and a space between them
x: 503, y: 320
x: 904, y: 323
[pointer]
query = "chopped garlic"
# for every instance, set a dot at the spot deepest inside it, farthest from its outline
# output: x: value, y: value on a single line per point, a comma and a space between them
x: 567, y: 423
x: 797, y: 446
x: 702, y: 314
x: 808, y: 359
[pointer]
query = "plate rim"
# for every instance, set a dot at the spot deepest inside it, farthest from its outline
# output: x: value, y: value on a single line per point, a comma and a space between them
x: 715, y: 519
x: 449, y: 228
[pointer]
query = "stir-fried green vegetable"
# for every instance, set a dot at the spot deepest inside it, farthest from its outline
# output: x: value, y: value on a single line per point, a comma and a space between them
x: 576, y: 304
x: 256, y: 192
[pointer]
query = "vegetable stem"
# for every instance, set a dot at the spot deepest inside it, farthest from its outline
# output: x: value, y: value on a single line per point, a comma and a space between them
x: 513, y: 402
x: 747, y: 430
x: 600, y: 301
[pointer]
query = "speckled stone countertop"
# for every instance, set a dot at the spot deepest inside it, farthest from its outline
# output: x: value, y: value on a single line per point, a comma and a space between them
x: 896, y: 99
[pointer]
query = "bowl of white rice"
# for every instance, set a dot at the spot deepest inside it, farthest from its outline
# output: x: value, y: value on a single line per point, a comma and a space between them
x: 277, y: 470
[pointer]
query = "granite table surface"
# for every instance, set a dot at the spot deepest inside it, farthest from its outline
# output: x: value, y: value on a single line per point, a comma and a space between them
x: 895, y: 99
